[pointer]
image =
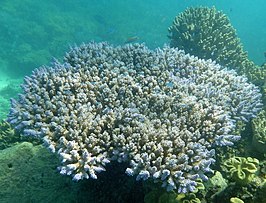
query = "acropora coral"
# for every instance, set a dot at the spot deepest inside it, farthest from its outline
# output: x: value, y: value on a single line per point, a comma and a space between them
x: 7, y: 135
x: 161, y: 111
x: 263, y: 85
x: 207, y: 33
x: 259, y: 132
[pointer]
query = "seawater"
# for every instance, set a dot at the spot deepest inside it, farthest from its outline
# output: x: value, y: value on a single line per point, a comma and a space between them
x: 33, y: 32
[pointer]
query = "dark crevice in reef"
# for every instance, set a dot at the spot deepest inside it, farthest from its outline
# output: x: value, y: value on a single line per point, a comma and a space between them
x: 112, y: 186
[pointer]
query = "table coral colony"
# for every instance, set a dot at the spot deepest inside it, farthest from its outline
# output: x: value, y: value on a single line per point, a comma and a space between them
x: 163, y: 112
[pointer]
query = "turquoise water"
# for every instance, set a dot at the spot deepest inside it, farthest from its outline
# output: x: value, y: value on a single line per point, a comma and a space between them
x: 33, y: 32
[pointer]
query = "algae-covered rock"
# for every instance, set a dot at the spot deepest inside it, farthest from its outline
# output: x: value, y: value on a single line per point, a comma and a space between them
x: 169, y: 197
x: 188, y: 198
x: 157, y: 195
x: 28, y: 174
x: 217, y: 182
x: 161, y: 196
x: 241, y: 169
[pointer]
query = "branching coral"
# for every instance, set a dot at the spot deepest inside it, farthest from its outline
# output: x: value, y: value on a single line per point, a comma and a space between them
x: 208, y: 34
x: 7, y: 135
x: 259, y: 132
x: 257, y: 75
x: 263, y: 84
x: 162, y: 111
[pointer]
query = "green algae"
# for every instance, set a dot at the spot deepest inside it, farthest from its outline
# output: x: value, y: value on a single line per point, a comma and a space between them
x: 28, y: 174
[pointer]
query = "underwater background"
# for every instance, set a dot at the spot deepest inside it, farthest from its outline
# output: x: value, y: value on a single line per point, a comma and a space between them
x: 34, y: 32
